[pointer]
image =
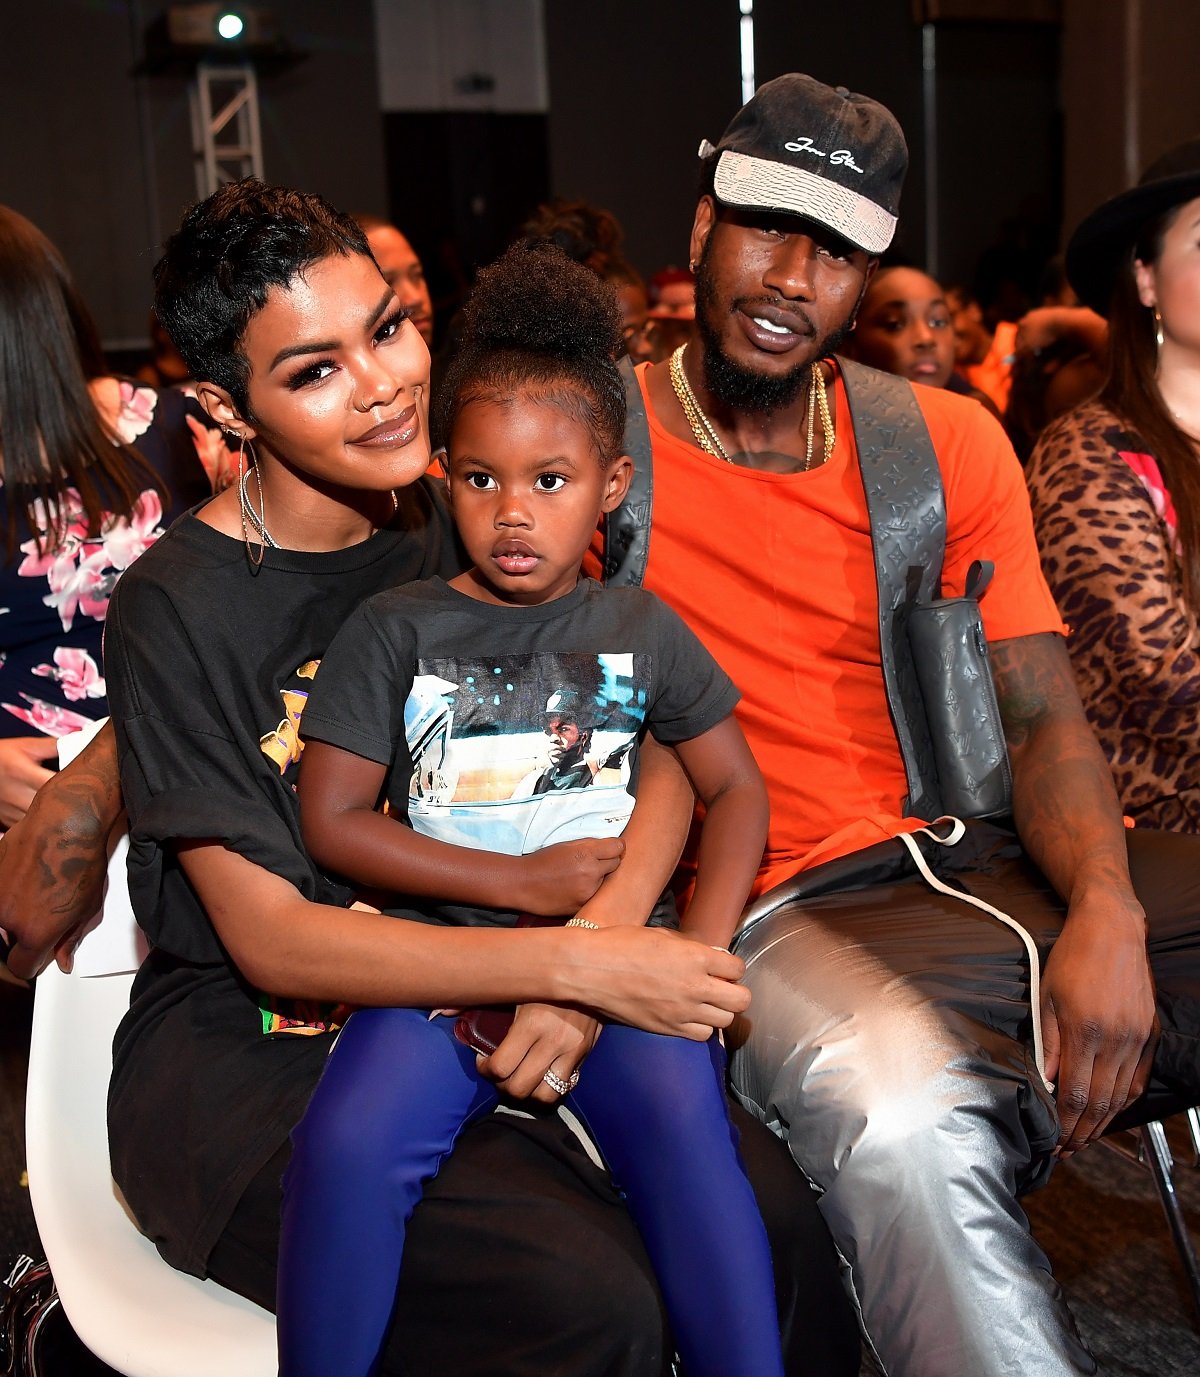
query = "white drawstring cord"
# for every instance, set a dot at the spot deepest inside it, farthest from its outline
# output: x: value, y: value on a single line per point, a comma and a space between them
x: 957, y: 829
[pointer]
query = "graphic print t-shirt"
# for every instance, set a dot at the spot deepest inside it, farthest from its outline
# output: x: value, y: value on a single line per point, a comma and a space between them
x: 509, y: 729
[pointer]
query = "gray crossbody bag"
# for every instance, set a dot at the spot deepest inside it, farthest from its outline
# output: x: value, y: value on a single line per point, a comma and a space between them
x: 934, y: 652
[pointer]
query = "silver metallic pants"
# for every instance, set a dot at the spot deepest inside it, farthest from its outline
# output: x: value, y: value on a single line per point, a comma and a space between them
x: 887, y: 1041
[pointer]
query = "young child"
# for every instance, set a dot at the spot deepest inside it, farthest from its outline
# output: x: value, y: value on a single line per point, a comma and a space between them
x: 501, y: 711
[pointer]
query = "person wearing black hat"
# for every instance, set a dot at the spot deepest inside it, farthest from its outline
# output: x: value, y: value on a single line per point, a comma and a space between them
x: 1115, y: 486
x: 894, y: 1038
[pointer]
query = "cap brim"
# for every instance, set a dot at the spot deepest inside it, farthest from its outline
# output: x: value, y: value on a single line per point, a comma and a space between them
x: 761, y: 184
x: 1099, y: 246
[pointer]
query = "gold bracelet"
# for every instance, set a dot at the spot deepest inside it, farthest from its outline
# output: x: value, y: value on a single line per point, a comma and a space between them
x: 580, y: 923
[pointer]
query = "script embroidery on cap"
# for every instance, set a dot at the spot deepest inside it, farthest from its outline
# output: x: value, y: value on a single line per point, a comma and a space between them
x: 840, y: 157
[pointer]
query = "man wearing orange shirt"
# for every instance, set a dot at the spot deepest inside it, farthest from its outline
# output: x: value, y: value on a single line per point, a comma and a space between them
x: 891, y: 1038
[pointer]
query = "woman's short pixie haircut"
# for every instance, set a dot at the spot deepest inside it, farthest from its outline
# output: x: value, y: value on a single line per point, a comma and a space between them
x: 223, y: 260
x: 539, y: 323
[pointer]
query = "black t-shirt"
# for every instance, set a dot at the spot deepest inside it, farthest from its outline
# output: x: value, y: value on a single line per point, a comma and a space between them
x: 508, y: 729
x: 208, y: 667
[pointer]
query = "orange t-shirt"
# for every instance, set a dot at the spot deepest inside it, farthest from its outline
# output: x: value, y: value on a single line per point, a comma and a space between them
x: 776, y: 575
x: 993, y: 376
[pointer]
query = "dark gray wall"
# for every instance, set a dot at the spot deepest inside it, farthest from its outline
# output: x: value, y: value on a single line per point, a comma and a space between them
x: 101, y: 160
x: 634, y: 86
x: 1129, y: 91
x: 999, y: 143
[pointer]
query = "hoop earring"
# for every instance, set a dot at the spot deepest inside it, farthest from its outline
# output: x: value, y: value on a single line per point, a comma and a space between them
x: 251, y: 518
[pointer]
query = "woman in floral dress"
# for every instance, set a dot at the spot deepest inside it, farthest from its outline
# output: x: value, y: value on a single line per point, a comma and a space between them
x: 92, y: 470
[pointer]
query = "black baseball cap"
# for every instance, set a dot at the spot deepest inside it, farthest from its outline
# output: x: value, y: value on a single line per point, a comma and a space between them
x: 799, y: 147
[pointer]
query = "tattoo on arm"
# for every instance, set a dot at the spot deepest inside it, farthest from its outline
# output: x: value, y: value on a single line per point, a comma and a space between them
x: 1030, y: 686
x: 69, y: 854
x: 70, y: 823
x: 1064, y: 801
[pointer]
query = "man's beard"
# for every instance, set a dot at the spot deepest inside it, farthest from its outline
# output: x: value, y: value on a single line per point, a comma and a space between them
x: 735, y: 386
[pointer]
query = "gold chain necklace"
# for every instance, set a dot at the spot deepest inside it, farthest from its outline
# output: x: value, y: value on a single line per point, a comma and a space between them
x: 817, y: 400
x: 705, y: 433
x: 702, y: 427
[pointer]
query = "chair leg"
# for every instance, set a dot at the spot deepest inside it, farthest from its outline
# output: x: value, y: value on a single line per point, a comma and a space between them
x: 1193, y: 1119
x: 1158, y: 1159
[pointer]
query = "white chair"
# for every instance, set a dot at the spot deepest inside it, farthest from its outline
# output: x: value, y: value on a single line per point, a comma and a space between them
x: 131, y: 1309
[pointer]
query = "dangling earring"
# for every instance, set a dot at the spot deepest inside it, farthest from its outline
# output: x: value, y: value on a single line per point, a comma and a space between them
x: 1158, y: 334
x: 251, y: 518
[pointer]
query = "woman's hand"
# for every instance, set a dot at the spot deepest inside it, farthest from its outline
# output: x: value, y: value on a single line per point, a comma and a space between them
x: 562, y: 878
x: 543, y: 1037
x: 654, y: 979
x: 692, y: 995
x: 22, y: 774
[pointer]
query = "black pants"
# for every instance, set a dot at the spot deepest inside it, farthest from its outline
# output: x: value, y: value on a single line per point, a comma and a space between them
x: 522, y: 1262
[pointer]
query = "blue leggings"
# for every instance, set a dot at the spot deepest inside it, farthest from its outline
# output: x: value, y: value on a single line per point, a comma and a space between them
x: 394, y: 1097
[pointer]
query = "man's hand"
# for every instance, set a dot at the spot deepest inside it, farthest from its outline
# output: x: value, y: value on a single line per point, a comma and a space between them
x: 53, y: 862
x: 1097, y: 990
x: 1098, y: 1019
x: 543, y: 1037
x: 22, y: 773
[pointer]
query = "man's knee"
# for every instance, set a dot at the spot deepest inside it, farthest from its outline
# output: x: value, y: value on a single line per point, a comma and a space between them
x: 896, y: 1087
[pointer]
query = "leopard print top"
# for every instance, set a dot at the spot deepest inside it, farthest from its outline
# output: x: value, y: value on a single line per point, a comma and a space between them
x: 1105, y: 527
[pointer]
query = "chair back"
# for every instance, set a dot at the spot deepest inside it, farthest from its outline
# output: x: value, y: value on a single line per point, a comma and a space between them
x: 130, y: 1308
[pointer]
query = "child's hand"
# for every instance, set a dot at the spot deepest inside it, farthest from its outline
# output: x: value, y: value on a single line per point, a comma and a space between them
x: 544, y: 1039
x: 562, y: 878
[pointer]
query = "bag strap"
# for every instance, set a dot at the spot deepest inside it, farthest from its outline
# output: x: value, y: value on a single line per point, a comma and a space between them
x: 907, y: 509
x: 627, y: 530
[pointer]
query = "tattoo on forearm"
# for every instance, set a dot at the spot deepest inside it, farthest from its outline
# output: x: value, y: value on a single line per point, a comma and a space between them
x: 1063, y: 796
x: 1029, y: 687
x: 68, y: 855
x: 69, y: 840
